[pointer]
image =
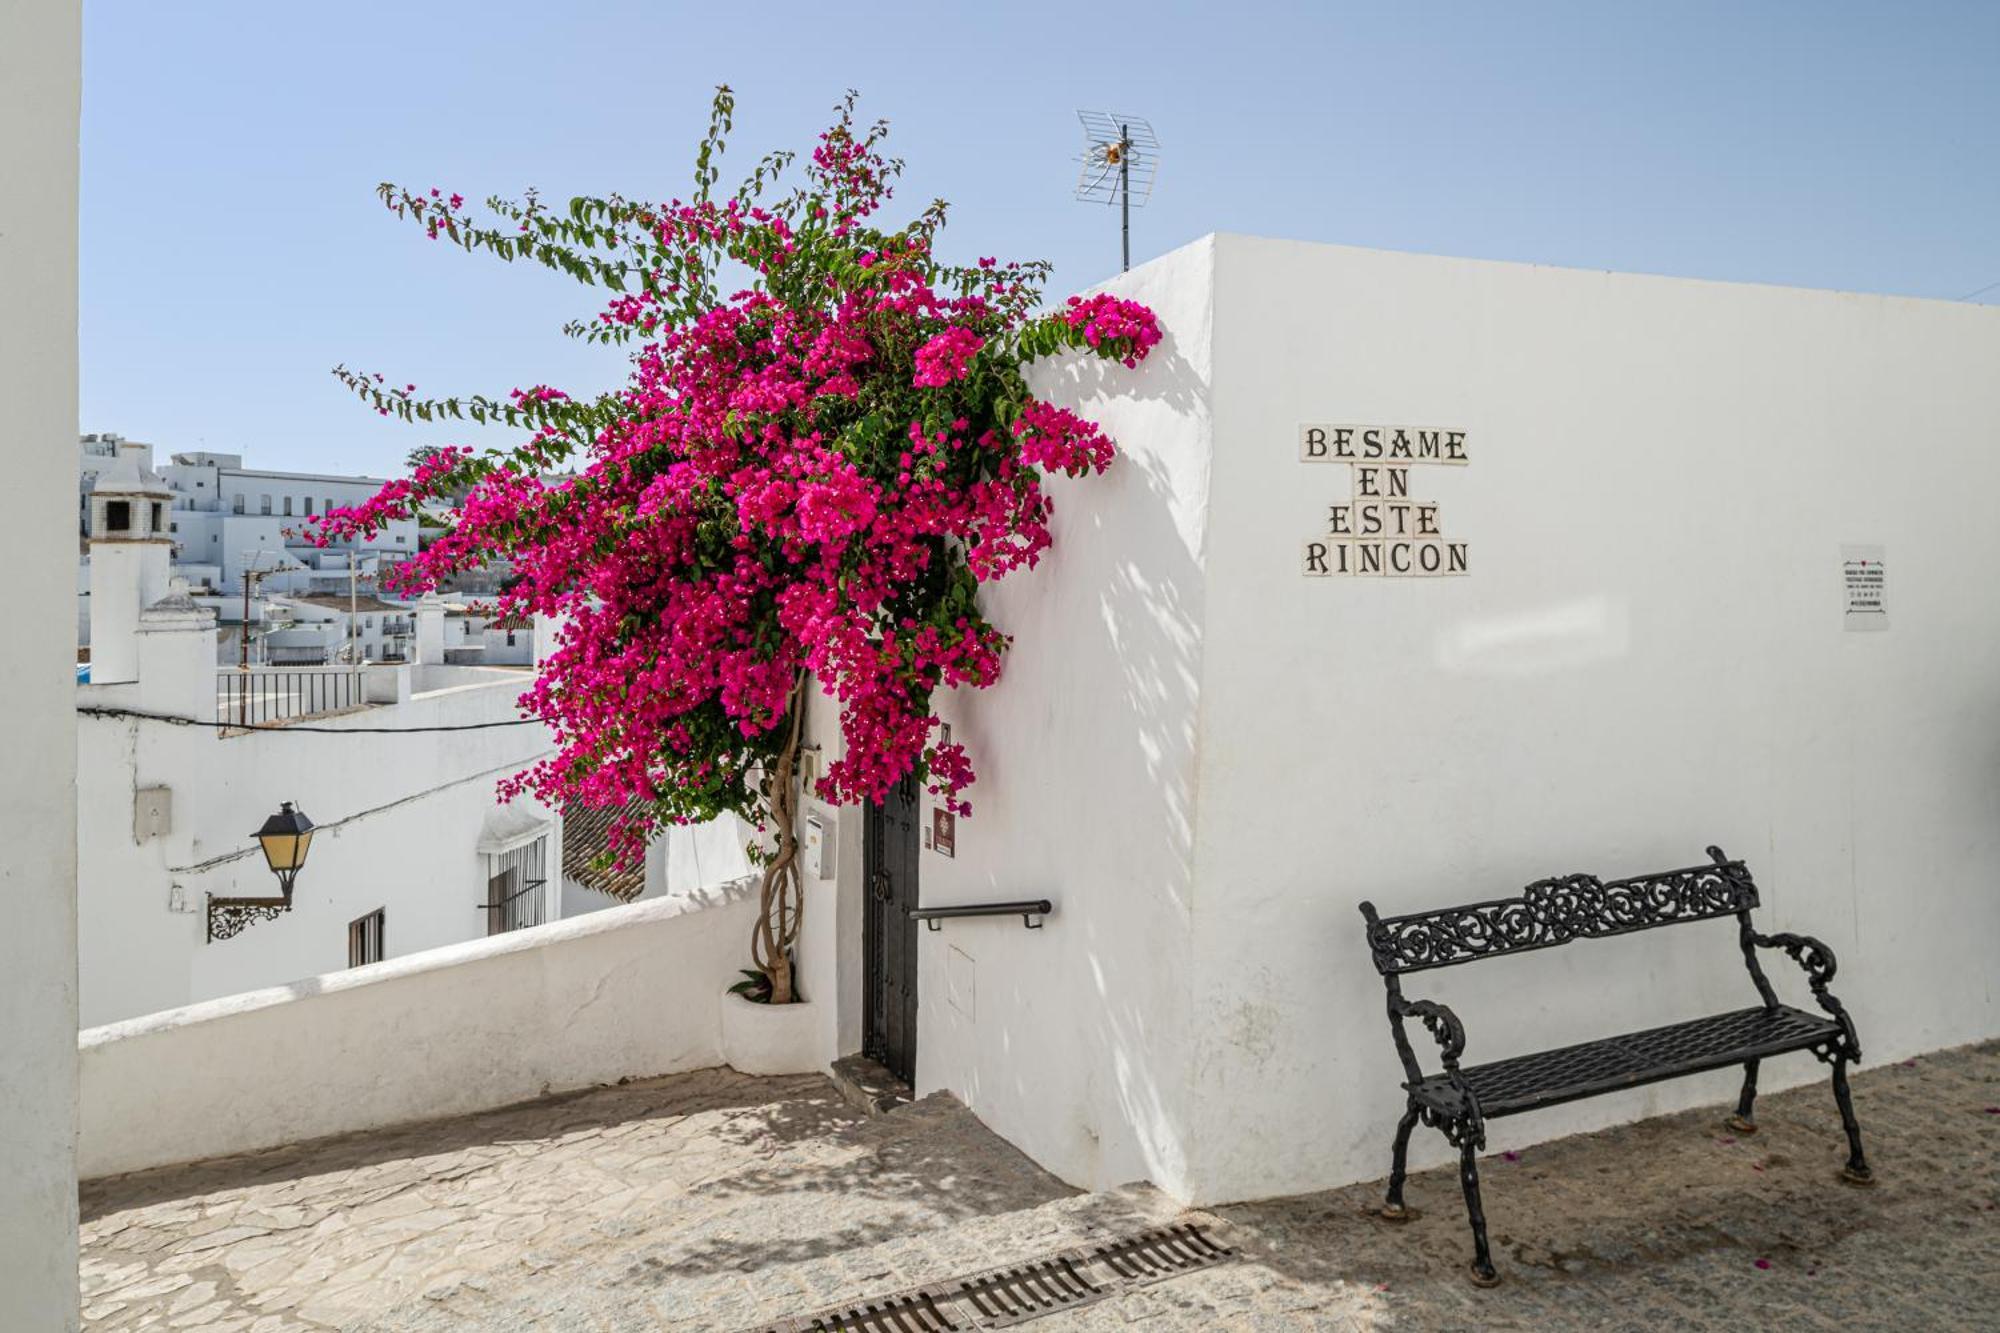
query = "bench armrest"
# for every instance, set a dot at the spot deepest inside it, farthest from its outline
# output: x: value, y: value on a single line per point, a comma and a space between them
x: 1443, y: 1024
x: 1811, y: 954
x: 1819, y: 963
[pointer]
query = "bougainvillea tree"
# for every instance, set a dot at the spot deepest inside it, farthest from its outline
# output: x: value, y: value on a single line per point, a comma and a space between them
x: 801, y: 486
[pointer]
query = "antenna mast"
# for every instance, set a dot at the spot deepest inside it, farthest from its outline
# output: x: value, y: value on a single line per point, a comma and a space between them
x: 1120, y: 156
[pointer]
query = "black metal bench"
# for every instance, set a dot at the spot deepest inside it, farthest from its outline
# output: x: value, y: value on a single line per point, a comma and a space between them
x: 1460, y: 1100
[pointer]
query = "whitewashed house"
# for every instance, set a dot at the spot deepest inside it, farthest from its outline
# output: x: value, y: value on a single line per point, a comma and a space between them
x: 475, y: 634
x: 238, y: 535
x: 319, y: 628
x: 180, y: 761
x: 243, y: 519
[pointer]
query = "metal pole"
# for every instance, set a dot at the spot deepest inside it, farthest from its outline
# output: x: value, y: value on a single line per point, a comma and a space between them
x: 1125, y: 193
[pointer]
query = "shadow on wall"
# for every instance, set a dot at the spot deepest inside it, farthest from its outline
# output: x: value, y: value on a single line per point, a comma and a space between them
x: 1108, y: 669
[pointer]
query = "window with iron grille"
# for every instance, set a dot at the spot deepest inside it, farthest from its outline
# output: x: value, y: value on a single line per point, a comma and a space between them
x: 364, y: 939
x: 515, y: 880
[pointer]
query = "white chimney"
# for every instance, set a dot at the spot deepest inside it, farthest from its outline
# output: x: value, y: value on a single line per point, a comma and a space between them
x: 430, y: 630
x: 131, y: 556
x: 176, y: 642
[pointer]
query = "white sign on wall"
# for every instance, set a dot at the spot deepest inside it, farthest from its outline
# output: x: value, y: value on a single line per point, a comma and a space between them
x: 1865, y: 588
x: 1381, y: 529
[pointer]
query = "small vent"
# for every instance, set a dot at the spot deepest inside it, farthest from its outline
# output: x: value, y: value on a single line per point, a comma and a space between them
x: 1003, y: 1297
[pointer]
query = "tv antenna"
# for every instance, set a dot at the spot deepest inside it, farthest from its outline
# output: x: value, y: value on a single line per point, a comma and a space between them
x: 1121, y: 155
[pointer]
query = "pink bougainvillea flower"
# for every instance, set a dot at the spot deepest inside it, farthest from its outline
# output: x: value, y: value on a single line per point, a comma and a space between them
x: 800, y: 488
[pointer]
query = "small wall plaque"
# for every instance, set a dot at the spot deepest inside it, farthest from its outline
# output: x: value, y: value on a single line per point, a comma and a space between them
x: 1865, y: 588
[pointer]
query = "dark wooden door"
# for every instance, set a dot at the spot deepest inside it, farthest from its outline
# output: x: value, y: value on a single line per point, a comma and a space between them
x: 889, y: 939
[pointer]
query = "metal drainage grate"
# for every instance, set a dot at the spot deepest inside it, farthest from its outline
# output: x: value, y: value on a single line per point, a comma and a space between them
x: 1155, y: 1256
x: 907, y: 1312
x: 1003, y: 1297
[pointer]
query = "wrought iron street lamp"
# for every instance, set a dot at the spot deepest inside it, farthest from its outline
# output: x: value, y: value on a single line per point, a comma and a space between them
x: 285, y: 838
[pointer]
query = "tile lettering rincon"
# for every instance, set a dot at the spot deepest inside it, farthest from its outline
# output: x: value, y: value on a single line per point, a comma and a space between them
x: 1382, y: 529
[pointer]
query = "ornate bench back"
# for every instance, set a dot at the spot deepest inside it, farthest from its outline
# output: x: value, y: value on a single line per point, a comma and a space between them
x: 1555, y: 911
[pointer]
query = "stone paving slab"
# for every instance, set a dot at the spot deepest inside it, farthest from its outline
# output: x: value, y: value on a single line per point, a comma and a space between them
x: 713, y: 1200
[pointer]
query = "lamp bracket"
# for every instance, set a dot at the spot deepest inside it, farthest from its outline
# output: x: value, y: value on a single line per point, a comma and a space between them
x: 228, y: 917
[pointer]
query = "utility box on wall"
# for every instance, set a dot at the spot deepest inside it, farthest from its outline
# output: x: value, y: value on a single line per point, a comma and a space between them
x: 152, y: 813
x: 818, y: 847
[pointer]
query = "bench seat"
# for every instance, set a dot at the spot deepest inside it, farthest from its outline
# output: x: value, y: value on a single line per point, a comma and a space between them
x: 1546, y: 1078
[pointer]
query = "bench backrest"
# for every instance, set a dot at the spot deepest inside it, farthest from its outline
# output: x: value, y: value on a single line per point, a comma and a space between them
x: 1555, y: 911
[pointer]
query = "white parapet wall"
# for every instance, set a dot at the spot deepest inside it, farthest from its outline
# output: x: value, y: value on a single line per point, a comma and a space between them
x: 628, y: 992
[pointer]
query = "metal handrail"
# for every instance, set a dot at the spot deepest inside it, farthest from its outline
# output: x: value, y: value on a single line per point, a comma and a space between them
x: 1027, y: 909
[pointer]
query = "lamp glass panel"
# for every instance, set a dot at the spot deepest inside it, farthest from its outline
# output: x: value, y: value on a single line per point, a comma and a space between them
x: 284, y: 851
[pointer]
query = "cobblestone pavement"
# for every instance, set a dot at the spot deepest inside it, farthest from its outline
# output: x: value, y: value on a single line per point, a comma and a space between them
x: 712, y: 1200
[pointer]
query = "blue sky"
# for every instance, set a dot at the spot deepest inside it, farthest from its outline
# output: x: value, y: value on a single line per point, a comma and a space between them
x: 233, y: 249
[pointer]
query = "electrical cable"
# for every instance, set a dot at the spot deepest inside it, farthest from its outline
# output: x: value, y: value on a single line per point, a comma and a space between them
x: 97, y: 710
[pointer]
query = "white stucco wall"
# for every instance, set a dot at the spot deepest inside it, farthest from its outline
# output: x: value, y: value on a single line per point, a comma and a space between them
x: 629, y: 992
x: 401, y: 821
x: 1647, y: 657
x: 1073, y: 1040
x: 1209, y: 760
x: 40, y: 75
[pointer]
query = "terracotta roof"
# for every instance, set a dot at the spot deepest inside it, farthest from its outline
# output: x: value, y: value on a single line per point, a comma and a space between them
x: 586, y: 846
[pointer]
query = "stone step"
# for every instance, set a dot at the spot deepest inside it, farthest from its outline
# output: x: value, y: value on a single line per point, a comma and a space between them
x: 868, y: 1086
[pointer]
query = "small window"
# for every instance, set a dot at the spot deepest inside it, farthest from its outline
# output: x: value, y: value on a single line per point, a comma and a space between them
x: 201, y: 484
x: 173, y: 527
x: 326, y: 507
x: 236, y: 504
x: 364, y: 939
x: 288, y: 506
x: 510, y: 638
x: 267, y: 504
x: 309, y: 506
x: 400, y: 540
x: 159, y: 516
x: 118, y: 515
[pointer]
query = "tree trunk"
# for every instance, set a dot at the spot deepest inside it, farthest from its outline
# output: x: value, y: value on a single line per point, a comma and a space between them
x: 781, y: 900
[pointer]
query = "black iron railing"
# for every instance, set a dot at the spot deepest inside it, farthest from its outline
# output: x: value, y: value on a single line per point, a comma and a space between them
x: 1026, y: 909
x: 257, y: 696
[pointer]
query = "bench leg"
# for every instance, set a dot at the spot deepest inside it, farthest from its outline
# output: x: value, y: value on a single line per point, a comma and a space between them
x: 1742, y: 1122
x: 1856, y: 1169
x: 1399, y: 1162
x: 1483, y: 1272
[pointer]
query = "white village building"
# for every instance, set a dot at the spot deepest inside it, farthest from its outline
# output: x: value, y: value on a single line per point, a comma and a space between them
x: 319, y: 628
x: 182, y: 758
x: 238, y: 535
x: 413, y: 849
